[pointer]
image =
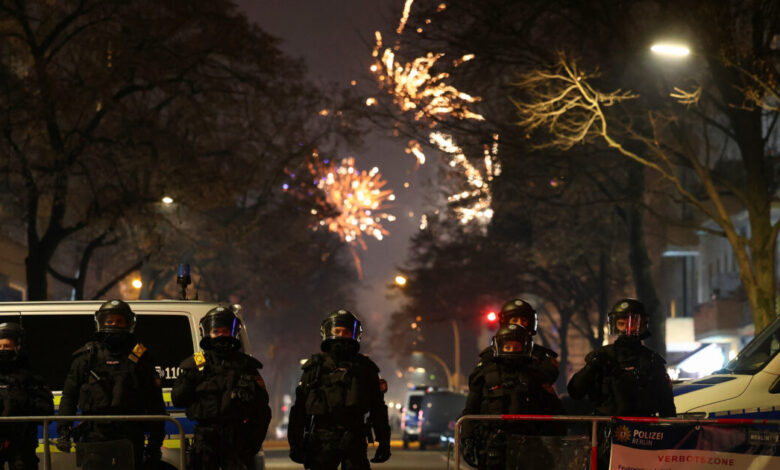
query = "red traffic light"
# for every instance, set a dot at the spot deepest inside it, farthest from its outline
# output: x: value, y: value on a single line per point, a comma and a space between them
x: 492, y: 316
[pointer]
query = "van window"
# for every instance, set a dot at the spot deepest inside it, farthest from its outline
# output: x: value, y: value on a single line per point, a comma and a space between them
x: 414, y: 403
x: 50, y: 341
x: 758, y: 352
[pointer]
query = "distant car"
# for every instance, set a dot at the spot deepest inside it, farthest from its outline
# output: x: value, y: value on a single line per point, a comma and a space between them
x: 410, y: 422
x: 429, y: 415
x: 281, y: 431
x: 439, y: 412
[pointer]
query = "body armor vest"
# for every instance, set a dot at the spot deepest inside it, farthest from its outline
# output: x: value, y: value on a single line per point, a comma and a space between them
x: 227, y: 391
x: 333, y: 389
x: 111, y: 385
x: 630, y: 382
x: 508, y: 390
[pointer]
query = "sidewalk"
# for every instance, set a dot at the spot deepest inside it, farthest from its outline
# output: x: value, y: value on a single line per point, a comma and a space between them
x: 276, y: 444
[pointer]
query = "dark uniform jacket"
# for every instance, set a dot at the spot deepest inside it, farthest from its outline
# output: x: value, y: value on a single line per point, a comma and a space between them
x: 337, y: 395
x: 118, y: 381
x: 498, y: 386
x: 625, y: 379
x: 22, y: 393
x: 545, y: 362
x: 225, y: 391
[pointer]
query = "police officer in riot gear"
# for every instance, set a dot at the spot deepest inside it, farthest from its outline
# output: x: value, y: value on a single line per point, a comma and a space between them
x: 625, y: 378
x: 113, y: 375
x: 545, y: 362
x: 338, y: 402
x: 506, y: 384
x: 222, y: 389
x: 22, y: 393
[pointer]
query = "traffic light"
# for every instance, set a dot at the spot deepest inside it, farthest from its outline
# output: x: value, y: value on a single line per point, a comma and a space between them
x: 491, y: 317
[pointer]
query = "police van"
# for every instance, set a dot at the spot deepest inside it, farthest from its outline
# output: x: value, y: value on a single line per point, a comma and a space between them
x: 748, y: 387
x: 168, y: 328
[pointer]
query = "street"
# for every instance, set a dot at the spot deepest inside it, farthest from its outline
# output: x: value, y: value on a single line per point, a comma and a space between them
x: 401, y: 459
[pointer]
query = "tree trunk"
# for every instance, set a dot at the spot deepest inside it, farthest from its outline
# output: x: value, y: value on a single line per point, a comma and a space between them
x: 640, y: 262
x: 563, y: 358
x: 37, y: 264
x: 761, y: 295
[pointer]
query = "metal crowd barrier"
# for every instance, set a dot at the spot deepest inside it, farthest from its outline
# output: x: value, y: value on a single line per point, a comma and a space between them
x: 102, y: 418
x: 594, y: 423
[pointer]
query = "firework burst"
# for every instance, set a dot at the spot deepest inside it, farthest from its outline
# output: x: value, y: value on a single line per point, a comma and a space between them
x: 358, y: 199
x: 348, y: 201
x: 431, y: 99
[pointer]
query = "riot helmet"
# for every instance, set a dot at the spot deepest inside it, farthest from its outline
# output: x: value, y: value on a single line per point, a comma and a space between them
x: 115, y: 316
x: 518, y: 312
x: 220, y: 328
x: 512, y: 342
x: 628, y: 318
x: 11, y: 338
x: 341, y: 325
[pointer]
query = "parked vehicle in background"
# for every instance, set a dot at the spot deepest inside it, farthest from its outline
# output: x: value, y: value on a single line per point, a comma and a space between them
x: 410, y: 420
x: 439, y: 411
x: 748, y: 387
x: 429, y: 414
x: 168, y: 328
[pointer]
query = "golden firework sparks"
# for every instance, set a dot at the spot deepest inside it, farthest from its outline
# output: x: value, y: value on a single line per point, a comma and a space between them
x: 431, y: 99
x: 473, y: 203
x: 358, y: 198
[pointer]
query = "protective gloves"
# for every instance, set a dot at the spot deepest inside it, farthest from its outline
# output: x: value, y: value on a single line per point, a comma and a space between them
x: 470, y: 452
x: 297, y: 454
x: 64, y: 441
x: 152, y: 454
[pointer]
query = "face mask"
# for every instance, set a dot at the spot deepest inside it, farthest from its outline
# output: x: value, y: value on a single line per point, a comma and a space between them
x: 343, y: 348
x: 224, y: 344
x: 116, y: 339
x: 7, y: 355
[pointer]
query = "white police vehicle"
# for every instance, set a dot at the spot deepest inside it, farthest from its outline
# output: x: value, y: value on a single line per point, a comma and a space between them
x: 748, y: 387
x: 168, y: 328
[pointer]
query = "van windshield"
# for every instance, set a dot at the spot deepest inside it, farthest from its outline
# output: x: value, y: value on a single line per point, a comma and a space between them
x: 50, y: 341
x: 758, y: 352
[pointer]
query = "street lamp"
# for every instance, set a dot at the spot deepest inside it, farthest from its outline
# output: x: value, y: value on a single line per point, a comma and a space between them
x: 167, y: 200
x: 450, y: 379
x: 137, y: 283
x: 668, y: 49
x: 400, y: 280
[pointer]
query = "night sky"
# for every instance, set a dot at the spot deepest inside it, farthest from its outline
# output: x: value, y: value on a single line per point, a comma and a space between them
x: 334, y: 38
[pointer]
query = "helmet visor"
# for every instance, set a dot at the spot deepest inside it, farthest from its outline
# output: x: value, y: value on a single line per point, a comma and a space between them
x: 513, y: 345
x: 111, y: 321
x: 526, y: 321
x: 627, y: 324
x: 221, y: 325
x: 347, y: 328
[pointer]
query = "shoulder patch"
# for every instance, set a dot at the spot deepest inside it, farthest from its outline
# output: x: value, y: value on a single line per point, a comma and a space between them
x: 313, y: 361
x: 138, y: 351
x: 259, y: 380
x: 200, y: 359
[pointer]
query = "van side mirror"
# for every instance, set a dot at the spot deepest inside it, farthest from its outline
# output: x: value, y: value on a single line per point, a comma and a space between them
x: 775, y: 388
